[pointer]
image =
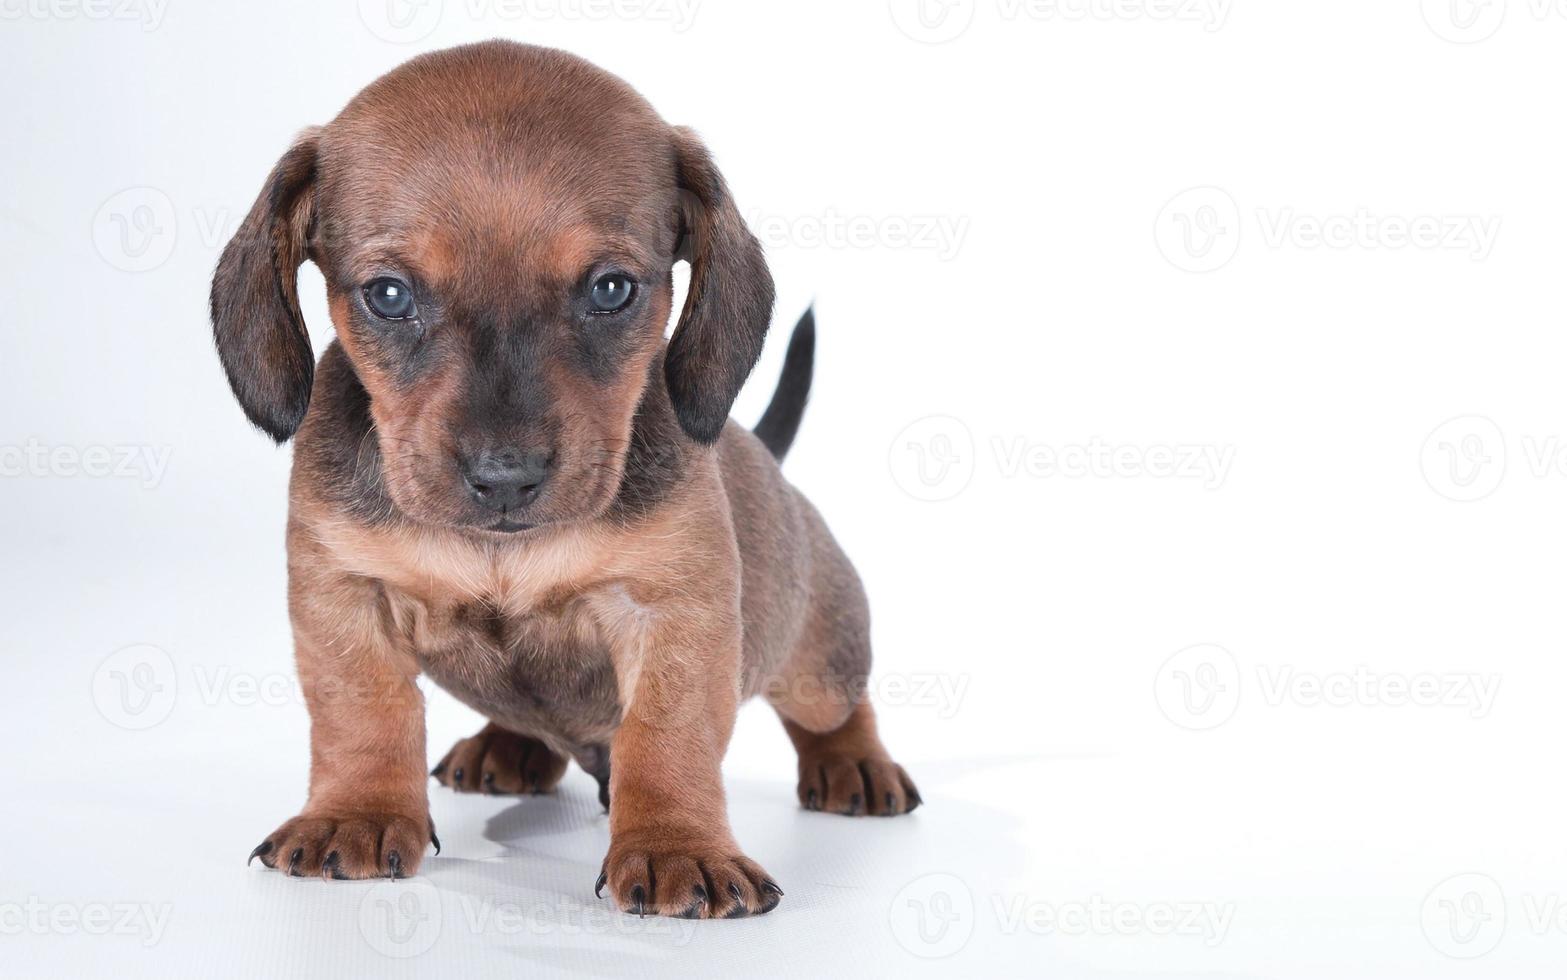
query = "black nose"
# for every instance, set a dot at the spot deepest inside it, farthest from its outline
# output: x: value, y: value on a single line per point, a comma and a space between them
x: 505, y: 481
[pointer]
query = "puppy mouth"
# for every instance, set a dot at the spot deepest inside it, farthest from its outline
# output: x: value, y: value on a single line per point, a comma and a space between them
x: 508, y: 526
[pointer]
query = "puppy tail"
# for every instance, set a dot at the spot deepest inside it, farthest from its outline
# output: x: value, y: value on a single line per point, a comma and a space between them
x: 782, y: 419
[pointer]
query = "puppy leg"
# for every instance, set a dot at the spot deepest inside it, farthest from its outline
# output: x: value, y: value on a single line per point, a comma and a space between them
x: 848, y: 771
x: 820, y: 695
x: 496, y: 761
x: 671, y: 851
x: 367, y: 814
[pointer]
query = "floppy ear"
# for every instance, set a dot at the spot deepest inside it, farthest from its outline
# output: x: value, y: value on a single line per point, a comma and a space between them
x: 728, y: 304
x: 256, y: 321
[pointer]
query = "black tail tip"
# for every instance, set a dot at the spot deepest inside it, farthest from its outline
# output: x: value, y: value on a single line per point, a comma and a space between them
x: 782, y: 419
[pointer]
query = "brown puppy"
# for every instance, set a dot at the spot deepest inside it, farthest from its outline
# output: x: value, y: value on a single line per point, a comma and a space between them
x: 503, y: 477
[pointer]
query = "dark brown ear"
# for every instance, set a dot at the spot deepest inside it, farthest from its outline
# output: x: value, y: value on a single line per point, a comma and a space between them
x: 256, y: 322
x: 728, y: 305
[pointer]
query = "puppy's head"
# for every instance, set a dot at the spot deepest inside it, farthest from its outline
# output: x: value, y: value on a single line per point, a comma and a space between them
x: 496, y: 226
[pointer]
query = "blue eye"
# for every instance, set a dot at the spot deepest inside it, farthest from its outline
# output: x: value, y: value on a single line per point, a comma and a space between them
x: 611, y: 293
x: 390, y: 299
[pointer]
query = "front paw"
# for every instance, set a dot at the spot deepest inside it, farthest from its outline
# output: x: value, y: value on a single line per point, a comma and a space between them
x: 348, y: 845
x: 686, y: 880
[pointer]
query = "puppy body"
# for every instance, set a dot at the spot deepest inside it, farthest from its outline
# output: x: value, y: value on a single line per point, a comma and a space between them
x: 660, y: 571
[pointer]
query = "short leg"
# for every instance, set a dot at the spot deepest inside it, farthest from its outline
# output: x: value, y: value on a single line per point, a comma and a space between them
x: 671, y: 851
x: 497, y: 762
x: 848, y: 771
x: 368, y: 814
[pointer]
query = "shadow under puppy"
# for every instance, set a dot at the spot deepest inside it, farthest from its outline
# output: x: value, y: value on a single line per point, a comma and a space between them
x: 503, y: 477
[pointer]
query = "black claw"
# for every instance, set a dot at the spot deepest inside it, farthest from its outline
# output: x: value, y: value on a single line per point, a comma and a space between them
x: 699, y: 892
x: 692, y: 911
x: 435, y: 840
x: 810, y: 799
x: 394, y: 862
x: 457, y: 777
x: 891, y: 805
x: 330, y: 869
x: 638, y: 900
x: 294, y: 859
x: 854, y: 803
x: 914, y: 799
x: 739, y: 911
x: 772, y: 886
x: 489, y: 782
x: 533, y: 781
x: 262, y: 850
x: 439, y: 768
x: 598, y: 886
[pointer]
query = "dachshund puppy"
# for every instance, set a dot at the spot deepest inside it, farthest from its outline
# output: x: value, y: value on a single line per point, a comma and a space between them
x: 505, y: 478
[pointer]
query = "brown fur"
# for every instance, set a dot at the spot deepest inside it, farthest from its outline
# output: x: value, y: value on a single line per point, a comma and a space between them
x: 666, y: 570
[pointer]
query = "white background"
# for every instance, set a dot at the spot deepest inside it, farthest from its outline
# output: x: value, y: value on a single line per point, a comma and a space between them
x: 993, y: 209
